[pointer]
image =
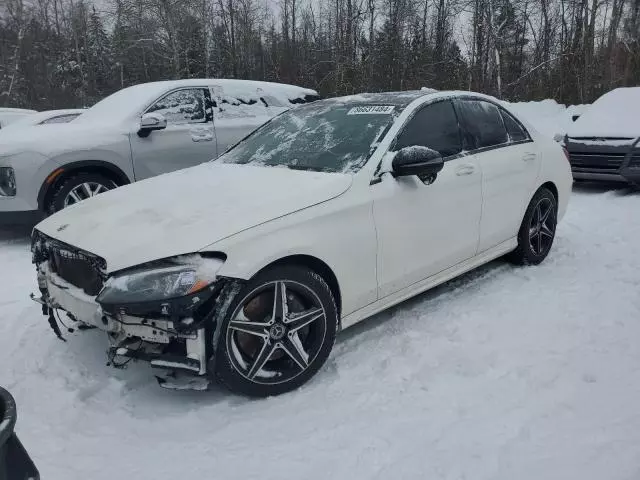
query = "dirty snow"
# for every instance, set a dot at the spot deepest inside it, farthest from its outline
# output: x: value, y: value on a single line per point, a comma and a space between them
x: 506, y: 373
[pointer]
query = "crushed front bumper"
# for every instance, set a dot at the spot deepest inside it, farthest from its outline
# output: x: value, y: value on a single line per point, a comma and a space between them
x: 174, y: 344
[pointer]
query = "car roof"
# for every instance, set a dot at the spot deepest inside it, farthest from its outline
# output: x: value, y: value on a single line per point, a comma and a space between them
x: 399, y: 99
x: 404, y: 98
x: 16, y: 110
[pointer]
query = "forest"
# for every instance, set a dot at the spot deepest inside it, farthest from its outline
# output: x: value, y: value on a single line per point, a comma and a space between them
x: 72, y: 53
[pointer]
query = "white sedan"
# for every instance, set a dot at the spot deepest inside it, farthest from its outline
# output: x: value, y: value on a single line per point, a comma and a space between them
x: 245, y: 268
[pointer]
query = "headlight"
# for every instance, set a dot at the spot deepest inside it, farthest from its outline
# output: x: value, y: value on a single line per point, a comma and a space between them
x: 7, y: 182
x: 171, y: 279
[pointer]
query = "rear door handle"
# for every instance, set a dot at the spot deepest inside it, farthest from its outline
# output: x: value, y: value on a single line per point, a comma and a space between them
x: 529, y: 157
x: 465, y: 170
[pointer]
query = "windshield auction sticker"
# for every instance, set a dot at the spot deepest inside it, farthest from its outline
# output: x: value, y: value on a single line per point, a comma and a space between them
x: 371, y: 110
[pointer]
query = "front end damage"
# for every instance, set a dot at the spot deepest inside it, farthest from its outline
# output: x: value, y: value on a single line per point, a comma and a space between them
x: 163, y: 312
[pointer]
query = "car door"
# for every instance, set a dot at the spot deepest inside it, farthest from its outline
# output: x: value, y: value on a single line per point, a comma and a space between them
x: 424, y: 228
x: 188, y: 140
x: 509, y: 163
x: 234, y: 118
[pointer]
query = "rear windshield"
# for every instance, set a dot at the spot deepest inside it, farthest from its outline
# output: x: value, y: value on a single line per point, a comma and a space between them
x: 330, y: 137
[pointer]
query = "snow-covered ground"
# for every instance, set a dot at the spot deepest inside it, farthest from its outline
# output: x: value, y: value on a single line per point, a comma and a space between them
x: 506, y: 373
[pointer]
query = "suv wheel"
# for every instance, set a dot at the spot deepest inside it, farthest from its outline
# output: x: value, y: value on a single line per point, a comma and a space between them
x: 77, y: 188
x: 276, y: 333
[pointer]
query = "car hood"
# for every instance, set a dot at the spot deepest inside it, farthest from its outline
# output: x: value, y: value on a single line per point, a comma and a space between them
x: 57, y: 138
x: 185, y: 211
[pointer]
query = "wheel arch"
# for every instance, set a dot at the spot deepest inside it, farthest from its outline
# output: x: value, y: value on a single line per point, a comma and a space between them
x: 63, y: 172
x: 315, y: 265
x: 552, y: 188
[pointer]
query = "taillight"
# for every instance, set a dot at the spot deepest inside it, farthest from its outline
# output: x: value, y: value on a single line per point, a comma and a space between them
x: 566, y: 153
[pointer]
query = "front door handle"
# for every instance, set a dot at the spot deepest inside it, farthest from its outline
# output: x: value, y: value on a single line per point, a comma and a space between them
x: 465, y: 170
x: 528, y: 157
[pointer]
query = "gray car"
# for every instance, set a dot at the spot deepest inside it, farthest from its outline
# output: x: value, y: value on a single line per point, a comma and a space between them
x: 136, y: 133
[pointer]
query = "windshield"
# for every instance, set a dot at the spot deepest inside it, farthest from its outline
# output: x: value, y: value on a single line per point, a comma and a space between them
x: 330, y: 137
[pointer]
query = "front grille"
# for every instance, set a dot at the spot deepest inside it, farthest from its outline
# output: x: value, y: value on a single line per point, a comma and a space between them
x: 80, y: 269
x: 605, y: 162
x: 77, y: 269
x: 597, y: 161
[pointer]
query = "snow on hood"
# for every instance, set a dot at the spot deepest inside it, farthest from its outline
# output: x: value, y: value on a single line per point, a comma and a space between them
x: 53, y: 139
x: 185, y: 211
x: 614, y: 115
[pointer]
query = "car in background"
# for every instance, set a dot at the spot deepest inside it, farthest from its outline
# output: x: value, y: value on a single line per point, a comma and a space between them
x: 46, y: 117
x: 245, y: 268
x: 136, y: 133
x: 15, y: 463
x: 10, y: 115
x: 603, y: 142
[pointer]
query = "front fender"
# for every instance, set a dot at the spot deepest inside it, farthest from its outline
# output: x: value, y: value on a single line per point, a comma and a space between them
x: 340, y: 235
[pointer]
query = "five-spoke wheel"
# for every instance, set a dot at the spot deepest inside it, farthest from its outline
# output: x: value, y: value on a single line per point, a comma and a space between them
x: 538, y: 229
x: 277, y: 333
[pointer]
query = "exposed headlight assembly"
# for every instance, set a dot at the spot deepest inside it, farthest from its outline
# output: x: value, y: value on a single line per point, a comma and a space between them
x: 173, y: 278
x: 7, y: 182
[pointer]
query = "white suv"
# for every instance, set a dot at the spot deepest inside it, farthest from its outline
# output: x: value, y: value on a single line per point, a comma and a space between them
x: 136, y: 133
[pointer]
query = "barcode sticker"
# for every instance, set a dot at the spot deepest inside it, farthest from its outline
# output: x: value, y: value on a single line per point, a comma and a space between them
x: 371, y: 110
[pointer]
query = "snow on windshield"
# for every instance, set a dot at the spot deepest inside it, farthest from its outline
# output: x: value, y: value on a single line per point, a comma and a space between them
x: 330, y: 137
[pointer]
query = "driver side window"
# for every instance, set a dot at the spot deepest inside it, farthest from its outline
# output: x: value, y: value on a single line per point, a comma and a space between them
x: 434, y: 126
x: 182, y: 106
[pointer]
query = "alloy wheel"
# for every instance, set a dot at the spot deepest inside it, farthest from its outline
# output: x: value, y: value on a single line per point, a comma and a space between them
x: 542, y: 227
x: 276, y: 332
x: 84, y: 191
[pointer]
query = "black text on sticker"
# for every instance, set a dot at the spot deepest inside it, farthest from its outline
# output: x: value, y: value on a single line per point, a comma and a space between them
x: 371, y: 109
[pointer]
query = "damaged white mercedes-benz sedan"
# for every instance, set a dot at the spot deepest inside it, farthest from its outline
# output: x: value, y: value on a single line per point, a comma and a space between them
x: 244, y: 269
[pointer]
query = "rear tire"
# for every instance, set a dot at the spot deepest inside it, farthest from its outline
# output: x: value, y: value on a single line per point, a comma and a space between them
x: 537, y: 231
x: 276, y: 333
x: 78, y: 187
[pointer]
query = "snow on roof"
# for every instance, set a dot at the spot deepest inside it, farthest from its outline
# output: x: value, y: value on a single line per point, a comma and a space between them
x: 134, y: 99
x: 613, y: 115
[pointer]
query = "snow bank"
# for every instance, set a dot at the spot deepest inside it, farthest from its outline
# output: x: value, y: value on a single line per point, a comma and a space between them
x: 547, y: 116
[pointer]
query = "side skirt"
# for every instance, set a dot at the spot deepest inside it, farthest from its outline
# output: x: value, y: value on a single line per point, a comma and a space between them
x: 430, y: 282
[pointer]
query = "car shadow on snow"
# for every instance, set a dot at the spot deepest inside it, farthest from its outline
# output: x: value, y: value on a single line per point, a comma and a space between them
x: 15, y: 233
x: 621, y: 189
x: 434, y: 297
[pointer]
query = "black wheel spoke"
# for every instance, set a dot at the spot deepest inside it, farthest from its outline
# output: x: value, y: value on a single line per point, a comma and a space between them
x: 251, y: 328
x: 539, y: 244
x: 546, y: 231
x: 296, y: 321
x: 292, y: 346
x: 263, y: 357
x: 280, y: 307
x: 545, y: 217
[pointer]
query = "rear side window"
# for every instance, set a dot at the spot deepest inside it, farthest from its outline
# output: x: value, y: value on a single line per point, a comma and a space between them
x: 436, y: 127
x: 482, y: 123
x: 516, y: 132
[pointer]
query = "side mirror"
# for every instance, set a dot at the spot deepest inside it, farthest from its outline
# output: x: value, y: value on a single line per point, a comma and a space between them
x: 575, y: 117
x: 151, y: 122
x: 421, y: 161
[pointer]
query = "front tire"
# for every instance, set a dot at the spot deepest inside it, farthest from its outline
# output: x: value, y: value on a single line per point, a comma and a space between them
x: 276, y: 333
x: 77, y: 188
x: 538, y: 230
